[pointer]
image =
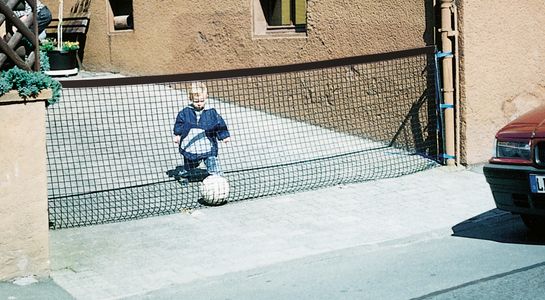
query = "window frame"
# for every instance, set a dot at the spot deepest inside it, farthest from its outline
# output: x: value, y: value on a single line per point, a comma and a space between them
x: 287, y: 18
x: 114, y: 13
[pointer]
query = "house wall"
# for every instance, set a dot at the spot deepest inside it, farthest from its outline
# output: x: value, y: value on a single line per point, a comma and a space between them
x: 175, y: 36
x: 503, y: 62
x: 500, y: 50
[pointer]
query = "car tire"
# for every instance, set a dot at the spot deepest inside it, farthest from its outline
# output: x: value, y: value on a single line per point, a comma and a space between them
x: 534, y: 223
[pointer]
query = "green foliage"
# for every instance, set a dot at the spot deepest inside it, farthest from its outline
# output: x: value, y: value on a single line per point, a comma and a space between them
x: 69, y: 46
x: 44, y: 62
x: 48, y: 45
x: 51, y: 44
x: 29, y: 84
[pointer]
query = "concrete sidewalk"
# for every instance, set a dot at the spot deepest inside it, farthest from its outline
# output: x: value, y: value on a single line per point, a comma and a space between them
x: 133, y: 258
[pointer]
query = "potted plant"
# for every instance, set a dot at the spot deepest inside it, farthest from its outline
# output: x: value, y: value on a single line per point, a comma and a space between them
x: 62, y: 55
x: 63, y: 58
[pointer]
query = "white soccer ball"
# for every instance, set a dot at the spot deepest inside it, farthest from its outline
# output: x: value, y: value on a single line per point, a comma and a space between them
x: 215, y: 189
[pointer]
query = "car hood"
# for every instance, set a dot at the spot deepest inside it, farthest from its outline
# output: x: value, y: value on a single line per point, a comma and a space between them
x: 530, y: 124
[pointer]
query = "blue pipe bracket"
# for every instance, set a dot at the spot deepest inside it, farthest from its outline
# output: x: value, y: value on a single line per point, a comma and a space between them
x: 444, y: 54
x: 447, y: 156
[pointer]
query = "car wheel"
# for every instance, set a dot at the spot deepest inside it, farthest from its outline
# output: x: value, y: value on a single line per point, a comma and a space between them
x: 534, y: 223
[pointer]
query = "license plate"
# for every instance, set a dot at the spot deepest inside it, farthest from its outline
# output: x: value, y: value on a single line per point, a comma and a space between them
x: 537, y: 183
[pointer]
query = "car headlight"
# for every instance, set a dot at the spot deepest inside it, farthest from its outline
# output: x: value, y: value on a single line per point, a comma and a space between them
x: 512, y: 149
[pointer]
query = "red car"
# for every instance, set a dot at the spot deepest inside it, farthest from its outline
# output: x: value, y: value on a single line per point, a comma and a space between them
x: 516, y: 172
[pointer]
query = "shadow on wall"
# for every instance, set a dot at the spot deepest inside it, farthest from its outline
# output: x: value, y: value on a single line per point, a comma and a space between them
x: 417, y: 132
x: 390, y: 101
x: 432, y: 15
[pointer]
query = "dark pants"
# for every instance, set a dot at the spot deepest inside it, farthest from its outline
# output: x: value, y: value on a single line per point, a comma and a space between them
x: 212, y: 165
x: 43, y: 18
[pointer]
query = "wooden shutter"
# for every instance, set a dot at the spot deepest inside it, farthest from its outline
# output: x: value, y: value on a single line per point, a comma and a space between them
x: 278, y: 12
x: 300, y: 12
x: 286, y: 12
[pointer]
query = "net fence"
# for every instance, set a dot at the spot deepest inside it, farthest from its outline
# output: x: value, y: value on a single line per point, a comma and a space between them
x: 111, y: 155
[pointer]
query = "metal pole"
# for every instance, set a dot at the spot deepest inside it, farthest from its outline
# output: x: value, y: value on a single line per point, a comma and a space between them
x: 59, y: 25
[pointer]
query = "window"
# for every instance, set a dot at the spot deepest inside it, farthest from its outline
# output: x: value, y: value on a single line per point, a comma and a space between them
x: 280, y: 17
x: 121, y: 15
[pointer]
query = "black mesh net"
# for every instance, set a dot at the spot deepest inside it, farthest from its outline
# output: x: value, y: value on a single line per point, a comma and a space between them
x: 111, y: 154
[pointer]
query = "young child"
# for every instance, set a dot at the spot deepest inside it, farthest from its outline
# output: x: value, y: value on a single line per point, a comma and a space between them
x: 197, y: 131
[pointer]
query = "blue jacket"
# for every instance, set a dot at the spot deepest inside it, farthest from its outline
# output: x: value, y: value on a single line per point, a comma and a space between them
x: 199, y: 138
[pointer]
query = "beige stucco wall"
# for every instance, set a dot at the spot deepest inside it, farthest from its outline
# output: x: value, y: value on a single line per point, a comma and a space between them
x: 24, y: 238
x: 500, y: 46
x: 502, y: 66
x: 176, y: 36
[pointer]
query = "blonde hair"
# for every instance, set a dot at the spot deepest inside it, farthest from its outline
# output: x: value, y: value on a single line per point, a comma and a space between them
x: 197, y: 88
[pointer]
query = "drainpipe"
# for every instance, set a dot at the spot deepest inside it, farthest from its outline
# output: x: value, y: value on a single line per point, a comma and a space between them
x: 448, y: 83
x: 457, y: 104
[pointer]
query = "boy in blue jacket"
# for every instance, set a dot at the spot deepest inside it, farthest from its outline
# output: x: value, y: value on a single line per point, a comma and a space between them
x: 197, y: 131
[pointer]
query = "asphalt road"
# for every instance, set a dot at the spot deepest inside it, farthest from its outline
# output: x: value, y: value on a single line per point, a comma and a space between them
x: 492, y: 256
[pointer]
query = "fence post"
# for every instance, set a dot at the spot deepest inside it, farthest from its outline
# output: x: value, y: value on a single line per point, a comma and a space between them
x: 24, y: 238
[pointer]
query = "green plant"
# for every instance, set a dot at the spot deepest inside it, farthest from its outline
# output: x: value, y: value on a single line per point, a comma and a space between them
x: 44, y: 61
x: 51, y: 45
x: 29, y: 84
x: 48, y: 45
x: 69, y: 46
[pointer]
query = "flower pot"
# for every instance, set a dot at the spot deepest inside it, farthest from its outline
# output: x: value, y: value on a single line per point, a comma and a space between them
x: 62, y: 60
